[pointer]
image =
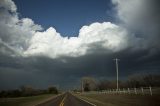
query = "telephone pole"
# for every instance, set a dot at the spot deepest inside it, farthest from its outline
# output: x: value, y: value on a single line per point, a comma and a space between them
x: 82, y: 85
x: 116, y: 60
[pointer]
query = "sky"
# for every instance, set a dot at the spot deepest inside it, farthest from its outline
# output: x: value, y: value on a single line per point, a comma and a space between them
x: 57, y: 42
x: 66, y: 16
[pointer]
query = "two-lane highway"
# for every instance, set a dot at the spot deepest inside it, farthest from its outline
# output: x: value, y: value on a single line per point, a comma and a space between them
x: 66, y: 99
x: 72, y: 100
x: 53, y: 102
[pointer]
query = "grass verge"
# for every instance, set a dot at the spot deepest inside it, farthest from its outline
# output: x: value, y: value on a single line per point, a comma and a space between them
x: 25, y: 101
x: 121, y: 100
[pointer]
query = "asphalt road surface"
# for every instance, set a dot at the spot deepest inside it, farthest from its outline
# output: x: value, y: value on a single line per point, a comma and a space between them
x: 66, y: 99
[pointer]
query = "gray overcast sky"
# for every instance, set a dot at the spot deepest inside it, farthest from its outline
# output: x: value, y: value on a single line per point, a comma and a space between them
x: 56, y: 42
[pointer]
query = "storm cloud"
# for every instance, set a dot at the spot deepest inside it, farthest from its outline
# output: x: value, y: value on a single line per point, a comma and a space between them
x: 31, y: 56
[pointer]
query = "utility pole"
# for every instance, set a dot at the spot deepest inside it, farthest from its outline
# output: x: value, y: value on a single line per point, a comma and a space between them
x: 82, y: 85
x: 117, y: 71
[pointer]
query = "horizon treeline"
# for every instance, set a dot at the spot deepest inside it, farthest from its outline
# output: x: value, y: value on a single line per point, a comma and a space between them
x: 25, y: 91
x: 133, y: 81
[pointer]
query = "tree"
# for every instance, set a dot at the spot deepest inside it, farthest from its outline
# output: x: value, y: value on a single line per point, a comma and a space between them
x: 52, y: 90
x: 27, y: 90
x: 89, y: 83
x: 139, y: 80
x: 103, y: 85
x: 86, y: 87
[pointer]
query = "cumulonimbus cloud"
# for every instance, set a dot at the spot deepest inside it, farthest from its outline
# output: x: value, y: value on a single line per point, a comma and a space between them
x: 23, y: 36
x: 142, y: 18
x: 26, y: 38
x: 50, y: 43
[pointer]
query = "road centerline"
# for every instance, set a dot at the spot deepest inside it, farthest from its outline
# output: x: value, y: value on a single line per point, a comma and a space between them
x: 62, y: 102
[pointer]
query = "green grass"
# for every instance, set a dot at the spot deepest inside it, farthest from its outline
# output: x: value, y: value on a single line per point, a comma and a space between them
x: 122, y: 99
x: 25, y: 101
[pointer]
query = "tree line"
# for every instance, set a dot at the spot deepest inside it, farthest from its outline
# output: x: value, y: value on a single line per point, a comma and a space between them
x: 25, y: 91
x: 134, y: 81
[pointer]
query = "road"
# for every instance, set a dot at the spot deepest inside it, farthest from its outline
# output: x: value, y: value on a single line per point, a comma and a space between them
x: 66, y: 99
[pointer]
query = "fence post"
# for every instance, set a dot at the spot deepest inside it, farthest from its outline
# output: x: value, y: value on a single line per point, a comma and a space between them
x: 117, y: 91
x: 128, y: 90
x: 123, y: 90
x: 113, y: 91
x: 150, y: 90
x: 142, y: 91
x: 135, y: 90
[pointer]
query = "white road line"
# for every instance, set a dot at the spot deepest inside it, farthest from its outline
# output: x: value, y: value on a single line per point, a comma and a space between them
x: 85, y: 100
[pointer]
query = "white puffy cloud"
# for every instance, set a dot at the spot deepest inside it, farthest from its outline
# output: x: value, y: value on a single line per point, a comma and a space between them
x: 15, y: 33
x: 102, y: 35
x: 134, y: 13
x: 9, y: 5
x: 24, y: 37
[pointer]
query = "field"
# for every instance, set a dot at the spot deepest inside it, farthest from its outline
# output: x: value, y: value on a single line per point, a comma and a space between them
x: 25, y: 101
x: 121, y: 99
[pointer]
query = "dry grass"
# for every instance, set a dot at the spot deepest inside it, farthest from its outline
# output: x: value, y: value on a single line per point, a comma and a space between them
x: 25, y: 101
x: 122, y: 100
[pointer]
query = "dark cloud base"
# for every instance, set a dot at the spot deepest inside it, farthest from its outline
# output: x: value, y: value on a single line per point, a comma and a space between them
x: 66, y: 72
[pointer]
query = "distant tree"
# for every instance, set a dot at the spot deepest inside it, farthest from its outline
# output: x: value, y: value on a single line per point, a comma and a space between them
x: 16, y: 93
x: 87, y: 87
x: 89, y: 83
x: 135, y: 81
x: 151, y: 80
x: 113, y: 84
x: 103, y: 84
x: 139, y: 80
x: 52, y: 90
x: 27, y: 90
x: 106, y: 84
x: 3, y: 94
